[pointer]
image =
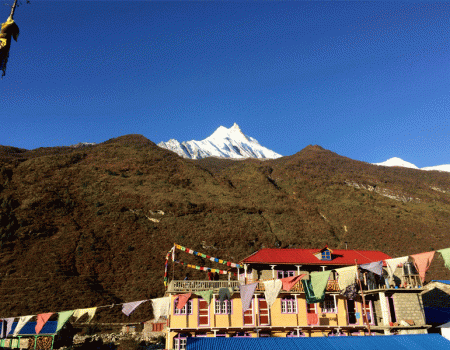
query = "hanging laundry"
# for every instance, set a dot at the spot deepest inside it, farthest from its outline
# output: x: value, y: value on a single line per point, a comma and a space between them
x: 128, y: 308
x: 289, y: 282
x: 446, y: 256
x: 41, y: 321
x: 393, y: 263
x: 224, y: 293
x: 206, y: 295
x: 375, y: 267
x: 346, y: 276
x: 422, y: 262
x: 62, y: 319
x: 9, y: 322
x: 161, y: 307
x: 80, y: 312
x: 271, y: 290
x: 22, y: 322
x: 182, y: 300
x: 319, y: 281
x: 247, y: 292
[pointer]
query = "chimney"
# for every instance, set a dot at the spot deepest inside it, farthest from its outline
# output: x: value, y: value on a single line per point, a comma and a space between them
x: 346, y: 245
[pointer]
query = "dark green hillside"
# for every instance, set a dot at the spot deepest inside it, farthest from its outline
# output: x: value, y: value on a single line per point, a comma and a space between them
x: 80, y: 227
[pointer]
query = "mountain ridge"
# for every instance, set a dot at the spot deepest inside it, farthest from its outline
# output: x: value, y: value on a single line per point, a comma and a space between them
x: 224, y: 143
x: 83, y: 226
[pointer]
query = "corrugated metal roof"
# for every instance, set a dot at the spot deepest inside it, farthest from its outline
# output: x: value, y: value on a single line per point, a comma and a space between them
x: 306, y: 256
x: 397, y: 342
x: 29, y: 328
x: 441, y: 281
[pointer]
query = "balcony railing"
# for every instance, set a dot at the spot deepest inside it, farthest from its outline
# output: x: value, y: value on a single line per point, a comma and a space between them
x: 186, y: 286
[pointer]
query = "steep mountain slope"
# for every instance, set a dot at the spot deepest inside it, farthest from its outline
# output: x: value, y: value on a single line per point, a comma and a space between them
x: 80, y: 226
x: 224, y: 143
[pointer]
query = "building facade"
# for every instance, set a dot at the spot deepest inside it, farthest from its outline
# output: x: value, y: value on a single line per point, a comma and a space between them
x: 394, y: 308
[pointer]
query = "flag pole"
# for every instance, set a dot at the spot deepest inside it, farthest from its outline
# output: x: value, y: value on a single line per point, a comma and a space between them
x: 13, y: 9
x: 363, y: 299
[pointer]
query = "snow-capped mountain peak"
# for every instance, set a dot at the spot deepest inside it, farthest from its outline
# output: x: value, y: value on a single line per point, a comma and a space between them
x: 395, y: 161
x: 224, y: 143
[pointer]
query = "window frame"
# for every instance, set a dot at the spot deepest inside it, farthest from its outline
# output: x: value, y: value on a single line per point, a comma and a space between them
x: 185, y: 310
x: 289, y: 300
x: 218, y: 305
x: 283, y: 274
x: 328, y: 310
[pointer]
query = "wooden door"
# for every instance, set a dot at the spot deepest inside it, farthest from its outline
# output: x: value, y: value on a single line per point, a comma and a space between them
x: 264, y: 313
x: 248, y: 316
x: 203, y: 313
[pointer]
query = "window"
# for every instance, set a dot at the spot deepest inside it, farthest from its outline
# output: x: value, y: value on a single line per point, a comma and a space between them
x: 352, y: 313
x: 223, y: 308
x: 328, y: 305
x: 180, y: 341
x: 326, y: 255
x: 185, y: 310
x: 368, y: 310
x: 288, y: 305
x: 203, y: 312
x: 283, y: 274
x: 264, y: 312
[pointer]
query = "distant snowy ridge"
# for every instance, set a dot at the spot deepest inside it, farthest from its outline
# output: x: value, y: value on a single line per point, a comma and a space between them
x: 223, y: 143
x: 400, y: 162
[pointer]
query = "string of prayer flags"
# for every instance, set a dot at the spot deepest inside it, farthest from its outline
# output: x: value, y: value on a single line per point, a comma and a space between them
x: 375, y: 267
x: 422, y: 262
x: 271, y: 290
x: 202, y: 268
x: 393, y: 263
x: 289, y: 282
x: 247, y: 292
x: 206, y: 295
x: 41, y: 321
x: 22, y: 322
x: 128, y: 308
x: 80, y: 312
x: 166, y: 264
x: 346, y: 276
x: 161, y: 307
x: 213, y: 259
x: 445, y: 253
x: 182, y: 300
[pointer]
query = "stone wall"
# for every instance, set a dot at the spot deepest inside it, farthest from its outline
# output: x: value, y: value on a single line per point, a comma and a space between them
x: 408, y: 306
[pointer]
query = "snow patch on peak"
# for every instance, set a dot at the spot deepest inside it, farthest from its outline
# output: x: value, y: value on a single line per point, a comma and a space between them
x: 395, y: 161
x: 223, y: 143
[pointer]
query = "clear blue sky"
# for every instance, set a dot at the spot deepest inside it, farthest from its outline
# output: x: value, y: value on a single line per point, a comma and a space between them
x: 367, y: 80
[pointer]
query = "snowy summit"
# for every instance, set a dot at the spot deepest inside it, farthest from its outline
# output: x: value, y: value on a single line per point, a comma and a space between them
x: 397, y: 162
x: 223, y: 143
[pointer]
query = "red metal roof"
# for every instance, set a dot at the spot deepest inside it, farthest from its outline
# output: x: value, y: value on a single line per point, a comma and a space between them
x: 306, y: 257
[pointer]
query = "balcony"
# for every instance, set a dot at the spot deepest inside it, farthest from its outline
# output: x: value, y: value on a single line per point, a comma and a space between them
x: 192, y: 286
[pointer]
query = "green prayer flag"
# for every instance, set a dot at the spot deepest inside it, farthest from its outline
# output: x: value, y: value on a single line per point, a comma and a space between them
x: 446, y: 256
x: 62, y: 319
x: 310, y: 298
x: 315, y: 287
x: 206, y: 294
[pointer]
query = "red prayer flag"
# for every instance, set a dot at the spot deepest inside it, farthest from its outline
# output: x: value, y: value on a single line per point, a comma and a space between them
x: 182, y: 299
x: 41, y: 321
x: 289, y: 282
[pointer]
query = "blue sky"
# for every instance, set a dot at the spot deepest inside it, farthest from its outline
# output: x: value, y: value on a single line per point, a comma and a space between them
x: 367, y: 80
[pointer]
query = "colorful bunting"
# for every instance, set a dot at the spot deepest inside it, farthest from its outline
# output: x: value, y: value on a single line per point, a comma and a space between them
x: 446, y: 256
x: 271, y: 290
x: 161, y: 307
x: 182, y: 300
x: 128, y: 308
x: 202, y: 268
x: 80, y: 312
x: 422, y: 262
x: 247, y: 291
x: 41, y: 321
x: 22, y: 322
x: 220, y: 261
